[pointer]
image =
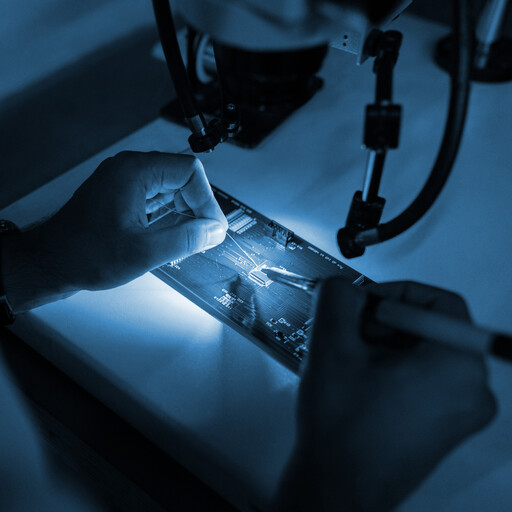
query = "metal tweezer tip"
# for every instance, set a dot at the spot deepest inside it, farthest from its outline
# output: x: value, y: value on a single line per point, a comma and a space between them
x: 279, y: 275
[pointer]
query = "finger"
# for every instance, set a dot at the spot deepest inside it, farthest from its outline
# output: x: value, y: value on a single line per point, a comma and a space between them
x: 160, y: 201
x: 452, y: 304
x: 424, y: 296
x: 198, y: 196
x: 160, y: 172
x: 338, y: 312
x: 162, y: 246
x: 156, y: 173
x: 429, y: 297
x: 165, y: 172
x: 180, y: 203
x: 164, y: 197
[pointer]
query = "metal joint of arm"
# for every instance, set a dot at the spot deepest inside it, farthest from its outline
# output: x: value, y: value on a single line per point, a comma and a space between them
x: 355, y: 237
x: 381, y: 133
x: 205, y: 136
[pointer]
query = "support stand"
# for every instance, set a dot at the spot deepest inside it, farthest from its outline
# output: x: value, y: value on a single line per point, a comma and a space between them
x: 381, y: 133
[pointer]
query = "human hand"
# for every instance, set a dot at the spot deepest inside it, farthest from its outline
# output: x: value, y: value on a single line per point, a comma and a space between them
x: 101, y: 238
x: 373, y: 422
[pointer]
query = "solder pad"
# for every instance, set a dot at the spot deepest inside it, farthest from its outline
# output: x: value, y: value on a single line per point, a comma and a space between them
x: 227, y: 281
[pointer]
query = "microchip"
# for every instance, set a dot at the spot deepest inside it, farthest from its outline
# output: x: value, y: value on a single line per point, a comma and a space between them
x: 359, y: 281
x: 260, y: 278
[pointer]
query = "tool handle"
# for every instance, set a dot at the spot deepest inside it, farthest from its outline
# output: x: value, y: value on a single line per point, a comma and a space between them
x: 443, y: 329
x: 430, y: 325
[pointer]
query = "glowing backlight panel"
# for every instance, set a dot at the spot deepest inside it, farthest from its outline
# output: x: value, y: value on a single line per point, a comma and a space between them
x: 227, y: 281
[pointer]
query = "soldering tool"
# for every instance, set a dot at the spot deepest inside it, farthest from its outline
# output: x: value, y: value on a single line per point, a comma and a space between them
x: 432, y: 326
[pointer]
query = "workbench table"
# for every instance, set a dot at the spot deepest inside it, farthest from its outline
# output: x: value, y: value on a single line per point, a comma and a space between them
x: 217, y: 403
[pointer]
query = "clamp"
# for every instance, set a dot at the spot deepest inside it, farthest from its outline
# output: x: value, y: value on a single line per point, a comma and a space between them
x: 381, y: 133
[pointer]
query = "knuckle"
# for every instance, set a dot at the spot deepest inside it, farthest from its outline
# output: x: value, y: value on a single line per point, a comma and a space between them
x: 125, y: 155
x: 488, y: 406
x: 453, y: 296
x: 191, y: 241
x: 390, y: 289
x: 454, y: 299
x: 479, y: 406
x: 195, y: 164
x: 198, y: 240
x: 117, y: 162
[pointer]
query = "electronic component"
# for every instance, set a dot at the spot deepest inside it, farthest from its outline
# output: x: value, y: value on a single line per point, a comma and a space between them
x: 280, y: 233
x: 260, y: 278
x: 229, y: 281
x: 239, y: 221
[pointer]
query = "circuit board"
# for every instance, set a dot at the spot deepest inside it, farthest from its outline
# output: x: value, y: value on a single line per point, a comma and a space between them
x: 227, y: 281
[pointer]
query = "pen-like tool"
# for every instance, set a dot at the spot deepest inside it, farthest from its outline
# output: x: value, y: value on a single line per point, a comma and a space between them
x: 430, y: 325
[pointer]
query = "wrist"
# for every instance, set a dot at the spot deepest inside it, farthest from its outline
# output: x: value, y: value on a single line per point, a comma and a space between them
x: 32, y: 272
x: 313, y: 480
x: 306, y: 486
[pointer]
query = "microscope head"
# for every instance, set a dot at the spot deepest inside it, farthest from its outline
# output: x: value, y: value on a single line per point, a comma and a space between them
x: 268, y: 52
x: 283, y: 25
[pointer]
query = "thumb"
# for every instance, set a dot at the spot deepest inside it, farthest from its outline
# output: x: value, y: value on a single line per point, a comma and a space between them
x: 190, y: 237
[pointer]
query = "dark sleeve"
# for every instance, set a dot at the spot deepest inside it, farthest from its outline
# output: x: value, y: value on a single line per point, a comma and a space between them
x: 25, y: 479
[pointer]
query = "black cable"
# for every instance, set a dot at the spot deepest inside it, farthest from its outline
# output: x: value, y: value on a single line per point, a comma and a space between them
x: 454, y: 127
x: 169, y: 41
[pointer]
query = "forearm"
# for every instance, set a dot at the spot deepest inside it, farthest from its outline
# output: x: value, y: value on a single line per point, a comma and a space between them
x: 32, y: 270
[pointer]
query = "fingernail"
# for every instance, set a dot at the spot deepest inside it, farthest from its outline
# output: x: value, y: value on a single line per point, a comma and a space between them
x: 215, y: 235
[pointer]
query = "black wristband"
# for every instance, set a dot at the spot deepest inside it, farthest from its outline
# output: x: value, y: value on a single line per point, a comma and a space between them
x: 7, y: 316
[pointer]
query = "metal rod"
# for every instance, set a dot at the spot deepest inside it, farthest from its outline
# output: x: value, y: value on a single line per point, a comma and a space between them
x: 290, y: 279
x: 368, y: 175
x: 373, y: 174
x: 488, y: 30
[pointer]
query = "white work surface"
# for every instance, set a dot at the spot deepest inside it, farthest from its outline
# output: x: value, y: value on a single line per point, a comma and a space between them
x: 209, y: 397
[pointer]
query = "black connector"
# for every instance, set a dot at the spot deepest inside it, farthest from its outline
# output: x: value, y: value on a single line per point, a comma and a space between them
x: 362, y: 215
x: 204, y: 136
x: 214, y: 134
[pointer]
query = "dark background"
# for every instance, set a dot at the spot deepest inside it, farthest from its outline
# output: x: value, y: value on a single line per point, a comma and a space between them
x: 440, y: 10
x: 62, y: 118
